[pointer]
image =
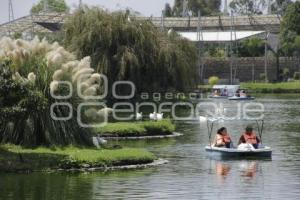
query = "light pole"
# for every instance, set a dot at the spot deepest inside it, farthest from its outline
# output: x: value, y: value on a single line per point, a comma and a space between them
x: 225, y: 8
x: 199, y: 39
x: 10, y: 15
x: 266, y: 57
x: 45, y: 9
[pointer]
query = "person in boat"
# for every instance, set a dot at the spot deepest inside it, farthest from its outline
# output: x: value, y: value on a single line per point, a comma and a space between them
x: 216, y: 93
x: 224, y: 92
x: 249, y: 137
x: 243, y: 93
x: 237, y: 93
x: 222, y: 138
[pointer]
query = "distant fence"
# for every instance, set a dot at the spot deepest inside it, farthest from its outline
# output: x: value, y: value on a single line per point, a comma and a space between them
x: 247, y: 69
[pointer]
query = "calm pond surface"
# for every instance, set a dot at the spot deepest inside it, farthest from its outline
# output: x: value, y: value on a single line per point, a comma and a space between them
x: 189, y: 173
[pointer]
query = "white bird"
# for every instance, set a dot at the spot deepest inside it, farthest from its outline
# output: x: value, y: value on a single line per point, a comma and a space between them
x: 156, y: 116
x: 159, y: 116
x: 98, y: 141
x: 101, y: 140
x: 139, y: 116
x: 152, y: 116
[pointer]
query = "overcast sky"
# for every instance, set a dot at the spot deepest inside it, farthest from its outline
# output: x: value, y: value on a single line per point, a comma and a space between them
x: 145, y: 7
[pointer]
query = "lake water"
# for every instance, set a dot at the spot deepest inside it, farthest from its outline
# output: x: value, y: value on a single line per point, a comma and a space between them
x: 189, y: 173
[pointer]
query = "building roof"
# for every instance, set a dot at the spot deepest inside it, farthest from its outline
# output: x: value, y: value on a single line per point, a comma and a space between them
x: 220, y: 36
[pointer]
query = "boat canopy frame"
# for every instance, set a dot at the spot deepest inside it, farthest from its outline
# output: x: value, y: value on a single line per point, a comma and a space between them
x: 210, y: 125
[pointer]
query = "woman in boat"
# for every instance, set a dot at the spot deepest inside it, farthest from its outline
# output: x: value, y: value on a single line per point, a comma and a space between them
x: 222, y: 138
x: 249, y: 137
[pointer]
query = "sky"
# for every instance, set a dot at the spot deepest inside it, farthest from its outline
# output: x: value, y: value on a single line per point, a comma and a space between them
x: 145, y: 7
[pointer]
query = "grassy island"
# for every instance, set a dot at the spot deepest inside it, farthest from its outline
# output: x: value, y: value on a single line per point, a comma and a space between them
x: 16, y: 158
x: 144, y: 128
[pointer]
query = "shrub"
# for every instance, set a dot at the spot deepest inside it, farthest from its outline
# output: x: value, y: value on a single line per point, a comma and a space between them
x: 163, y: 127
x: 286, y: 72
x: 216, y: 52
x: 29, y: 72
x: 297, y: 75
x: 262, y: 76
x: 122, y: 129
x: 213, y: 80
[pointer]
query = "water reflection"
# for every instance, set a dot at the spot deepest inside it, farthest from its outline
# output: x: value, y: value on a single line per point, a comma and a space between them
x: 249, y: 169
x: 222, y: 169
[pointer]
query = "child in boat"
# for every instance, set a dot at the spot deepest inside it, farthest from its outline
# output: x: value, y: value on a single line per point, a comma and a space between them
x: 222, y: 138
x: 249, y: 137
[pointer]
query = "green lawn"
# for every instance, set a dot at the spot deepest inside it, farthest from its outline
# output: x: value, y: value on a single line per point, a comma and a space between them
x: 163, y: 127
x: 283, y: 87
x: 14, y: 158
x: 273, y: 87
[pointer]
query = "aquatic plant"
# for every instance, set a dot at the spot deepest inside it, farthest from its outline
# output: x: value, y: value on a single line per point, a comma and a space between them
x: 31, y: 75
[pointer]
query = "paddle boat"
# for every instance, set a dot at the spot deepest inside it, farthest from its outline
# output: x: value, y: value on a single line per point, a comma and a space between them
x: 243, y: 151
x: 236, y: 98
x: 223, y: 91
x: 241, y: 95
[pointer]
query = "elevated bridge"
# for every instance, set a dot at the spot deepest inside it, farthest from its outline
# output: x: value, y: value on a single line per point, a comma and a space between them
x: 50, y: 22
x: 270, y: 23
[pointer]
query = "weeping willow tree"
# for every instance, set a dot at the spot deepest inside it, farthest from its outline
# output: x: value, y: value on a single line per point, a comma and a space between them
x: 30, y: 75
x: 124, y: 48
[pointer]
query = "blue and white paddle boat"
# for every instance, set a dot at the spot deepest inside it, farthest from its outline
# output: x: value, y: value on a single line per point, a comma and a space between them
x: 242, y: 151
x: 241, y: 95
x: 236, y: 98
x: 223, y: 91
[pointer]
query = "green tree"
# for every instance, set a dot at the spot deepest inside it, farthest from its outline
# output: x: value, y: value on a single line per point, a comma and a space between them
x: 168, y: 10
x: 280, y: 6
x: 207, y: 7
x: 131, y: 50
x: 252, y: 47
x: 51, y: 5
x: 290, y: 29
x: 247, y: 7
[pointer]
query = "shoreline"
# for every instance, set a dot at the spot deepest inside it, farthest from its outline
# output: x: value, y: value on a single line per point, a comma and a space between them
x: 155, y: 163
x: 18, y: 159
x: 174, y: 134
